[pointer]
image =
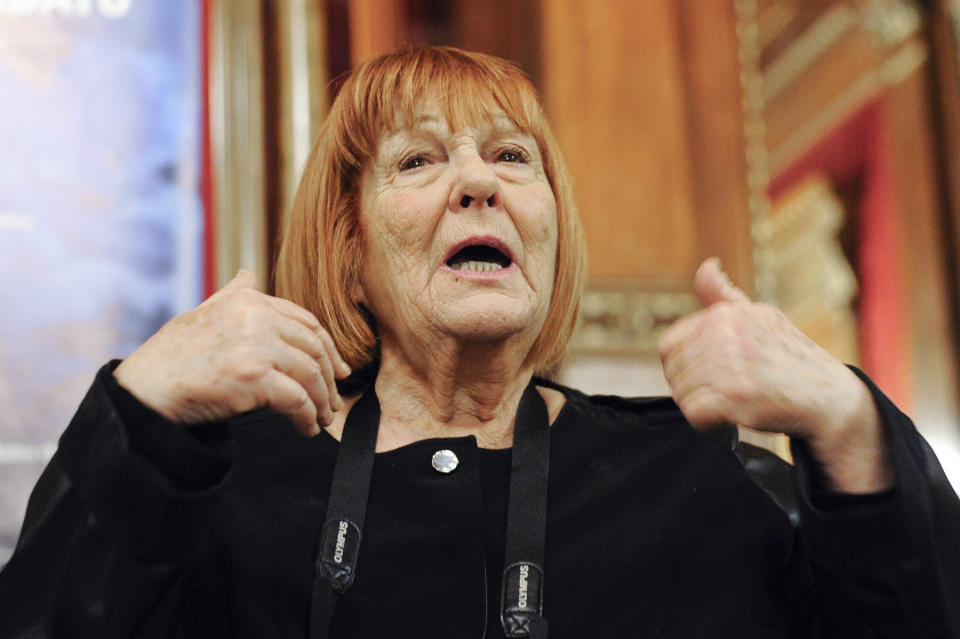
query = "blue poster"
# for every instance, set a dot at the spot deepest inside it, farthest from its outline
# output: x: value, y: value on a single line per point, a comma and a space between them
x: 100, y: 215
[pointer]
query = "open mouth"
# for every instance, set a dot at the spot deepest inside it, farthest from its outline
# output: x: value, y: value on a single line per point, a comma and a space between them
x: 478, y: 257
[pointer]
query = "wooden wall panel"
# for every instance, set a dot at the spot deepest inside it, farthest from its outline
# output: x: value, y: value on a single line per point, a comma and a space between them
x: 506, y: 28
x: 710, y: 51
x: 933, y: 378
x: 944, y: 79
x: 376, y: 26
x: 612, y: 78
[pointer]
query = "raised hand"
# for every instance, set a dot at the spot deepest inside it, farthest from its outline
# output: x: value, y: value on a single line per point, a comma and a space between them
x: 740, y: 362
x: 238, y: 350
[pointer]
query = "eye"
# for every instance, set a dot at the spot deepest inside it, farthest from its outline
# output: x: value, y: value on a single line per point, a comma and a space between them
x: 414, y: 162
x: 513, y: 154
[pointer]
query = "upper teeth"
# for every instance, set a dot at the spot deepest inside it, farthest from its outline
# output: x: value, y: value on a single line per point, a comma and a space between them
x: 475, y: 266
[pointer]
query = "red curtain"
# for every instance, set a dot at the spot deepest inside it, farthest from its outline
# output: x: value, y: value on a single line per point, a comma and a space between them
x: 206, y: 158
x: 858, y: 154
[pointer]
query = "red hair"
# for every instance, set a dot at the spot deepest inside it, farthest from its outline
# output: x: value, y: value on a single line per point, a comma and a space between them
x: 322, y: 250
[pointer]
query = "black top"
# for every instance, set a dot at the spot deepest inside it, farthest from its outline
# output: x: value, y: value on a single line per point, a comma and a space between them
x: 140, y: 528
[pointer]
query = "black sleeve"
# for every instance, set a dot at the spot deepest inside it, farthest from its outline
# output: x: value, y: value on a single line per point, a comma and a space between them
x: 112, y: 526
x: 894, y: 557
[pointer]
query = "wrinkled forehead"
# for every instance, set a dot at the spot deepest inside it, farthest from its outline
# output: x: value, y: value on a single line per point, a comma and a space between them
x: 460, y: 107
x: 430, y: 119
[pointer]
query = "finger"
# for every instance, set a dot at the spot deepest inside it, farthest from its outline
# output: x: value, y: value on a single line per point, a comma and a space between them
x: 305, y: 317
x: 312, y: 343
x: 288, y: 397
x: 681, y: 332
x: 700, y: 361
x: 294, y: 312
x: 678, y: 364
x: 310, y: 374
x: 299, y: 336
x: 710, y: 338
x: 343, y: 369
x: 712, y: 285
x: 703, y: 407
x: 696, y: 371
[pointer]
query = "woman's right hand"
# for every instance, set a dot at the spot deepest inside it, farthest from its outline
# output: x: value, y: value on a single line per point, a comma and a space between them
x: 239, y: 350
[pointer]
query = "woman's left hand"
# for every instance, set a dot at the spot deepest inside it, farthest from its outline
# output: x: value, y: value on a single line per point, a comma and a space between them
x: 741, y: 362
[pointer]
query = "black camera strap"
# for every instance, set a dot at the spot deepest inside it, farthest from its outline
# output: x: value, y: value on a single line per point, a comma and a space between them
x: 522, y: 596
x: 521, y: 603
x: 336, y: 565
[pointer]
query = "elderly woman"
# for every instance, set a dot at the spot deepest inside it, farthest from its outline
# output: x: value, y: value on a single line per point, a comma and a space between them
x: 433, y: 265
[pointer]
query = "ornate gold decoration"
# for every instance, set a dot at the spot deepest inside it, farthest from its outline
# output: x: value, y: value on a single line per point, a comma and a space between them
x: 812, y: 271
x: 807, y: 48
x: 617, y: 318
x: 815, y: 282
x: 758, y: 176
x: 892, y: 72
x: 773, y: 19
x: 890, y: 22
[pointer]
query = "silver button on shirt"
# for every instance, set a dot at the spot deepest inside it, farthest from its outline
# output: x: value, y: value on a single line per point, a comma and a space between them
x: 444, y: 461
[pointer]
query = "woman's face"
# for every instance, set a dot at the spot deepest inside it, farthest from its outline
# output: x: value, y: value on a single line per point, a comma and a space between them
x: 460, y: 230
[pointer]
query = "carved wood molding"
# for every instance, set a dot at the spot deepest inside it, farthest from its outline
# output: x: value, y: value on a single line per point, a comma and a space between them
x: 891, y: 22
x: 816, y: 284
x: 894, y: 25
x: 626, y: 318
x: 758, y: 173
x: 891, y: 72
x: 807, y: 48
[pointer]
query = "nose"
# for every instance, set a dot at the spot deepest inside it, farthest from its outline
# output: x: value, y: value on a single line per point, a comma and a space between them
x: 476, y: 185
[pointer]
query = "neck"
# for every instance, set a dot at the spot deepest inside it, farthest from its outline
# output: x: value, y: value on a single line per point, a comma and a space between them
x: 450, y: 390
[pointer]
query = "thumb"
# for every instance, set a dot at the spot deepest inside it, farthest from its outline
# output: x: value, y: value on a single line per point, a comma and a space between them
x: 243, y: 279
x: 712, y: 285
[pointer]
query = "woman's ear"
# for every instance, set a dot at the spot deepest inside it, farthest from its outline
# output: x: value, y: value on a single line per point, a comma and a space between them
x: 357, y: 295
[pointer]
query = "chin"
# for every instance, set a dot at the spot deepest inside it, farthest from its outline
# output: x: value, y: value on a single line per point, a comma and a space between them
x: 491, y: 324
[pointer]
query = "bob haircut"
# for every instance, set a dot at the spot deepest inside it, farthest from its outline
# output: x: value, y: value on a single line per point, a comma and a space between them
x: 320, y: 258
